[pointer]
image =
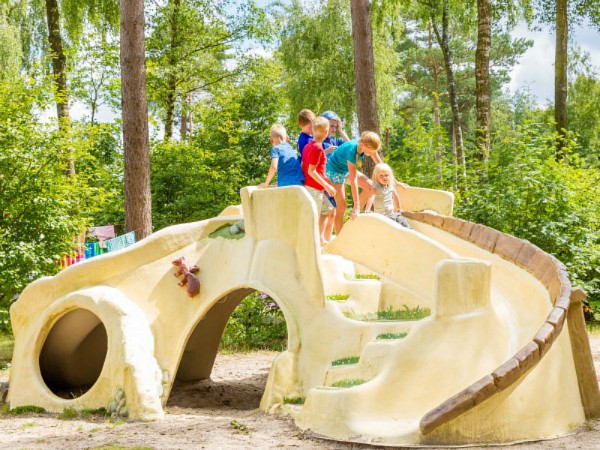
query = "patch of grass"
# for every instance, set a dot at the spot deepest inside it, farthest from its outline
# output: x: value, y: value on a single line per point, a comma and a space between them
x: 350, y: 382
x: 362, y: 276
x: 29, y: 425
x: 27, y: 409
x: 405, y: 313
x: 345, y: 361
x: 68, y: 413
x: 7, y: 345
x: 383, y: 336
x: 294, y: 400
x: 338, y: 297
x: 86, y: 412
x: 367, y: 276
x: 238, y: 426
x: 593, y: 328
x: 223, y: 231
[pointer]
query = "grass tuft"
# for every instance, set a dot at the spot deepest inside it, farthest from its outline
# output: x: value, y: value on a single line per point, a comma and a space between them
x: 27, y: 409
x: 68, y: 413
x: 348, y: 383
x: 405, y: 313
x: 383, y: 336
x: 94, y: 412
x: 367, y: 276
x: 338, y: 297
x: 345, y: 361
x: 294, y: 400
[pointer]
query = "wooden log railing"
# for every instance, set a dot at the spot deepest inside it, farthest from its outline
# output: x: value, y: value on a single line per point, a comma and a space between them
x: 553, y: 275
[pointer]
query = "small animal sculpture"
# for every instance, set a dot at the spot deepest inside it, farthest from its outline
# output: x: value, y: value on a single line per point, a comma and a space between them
x: 189, y: 279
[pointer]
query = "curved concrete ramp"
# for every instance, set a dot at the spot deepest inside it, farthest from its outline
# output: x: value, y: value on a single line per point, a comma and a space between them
x: 399, y: 337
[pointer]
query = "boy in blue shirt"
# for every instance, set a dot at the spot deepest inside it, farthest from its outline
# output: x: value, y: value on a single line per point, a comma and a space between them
x: 284, y: 160
x: 305, y: 120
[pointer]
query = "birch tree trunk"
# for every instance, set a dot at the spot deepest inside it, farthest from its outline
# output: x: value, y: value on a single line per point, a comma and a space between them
x: 482, y: 79
x: 138, y: 206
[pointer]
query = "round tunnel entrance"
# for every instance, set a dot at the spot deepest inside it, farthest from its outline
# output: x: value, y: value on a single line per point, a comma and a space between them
x: 73, y: 354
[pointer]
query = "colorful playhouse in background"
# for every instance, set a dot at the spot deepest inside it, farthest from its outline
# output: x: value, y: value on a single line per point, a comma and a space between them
x: 492, y: 348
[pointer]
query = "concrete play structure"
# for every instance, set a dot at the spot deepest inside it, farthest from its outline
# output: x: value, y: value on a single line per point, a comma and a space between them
x: 498, y: 352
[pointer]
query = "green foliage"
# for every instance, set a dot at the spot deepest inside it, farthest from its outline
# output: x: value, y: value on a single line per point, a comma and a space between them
x: 68, y: 413
x: 7, y: 345
x: 225, y: 232
x: 406, y: 313
x: 37, y: 200
x: 256, y: 324
x: 26, y: 409
x: 338, y: 297
x: 527, y: 193
x: 367, y: 276
x: 346, y: 361
x: 351, y: 382
x: 384, y: 336
x: 5, y: 326
x: 294, y: 400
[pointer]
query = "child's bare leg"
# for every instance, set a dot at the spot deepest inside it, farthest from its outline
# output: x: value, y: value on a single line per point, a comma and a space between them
x: 366, y: 185
x: 340, y: 210
x: 329, y: 225
x: 322, y: 223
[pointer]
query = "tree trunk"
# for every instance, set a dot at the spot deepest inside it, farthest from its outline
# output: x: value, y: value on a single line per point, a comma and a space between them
x: 560, y: 77
x: 59, y: 68
x: 183, y: 125
x: 364, y: 72
x: 482, y: 79
x: 435, y: 74
x: 443, y: 42
x: 138, y: 207
x: 171, y: 82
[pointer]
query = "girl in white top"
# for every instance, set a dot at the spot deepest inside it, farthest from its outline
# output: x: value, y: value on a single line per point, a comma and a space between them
x: 384, y: 198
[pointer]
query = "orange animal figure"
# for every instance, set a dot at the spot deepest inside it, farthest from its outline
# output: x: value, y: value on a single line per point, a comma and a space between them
x: 189, y: 279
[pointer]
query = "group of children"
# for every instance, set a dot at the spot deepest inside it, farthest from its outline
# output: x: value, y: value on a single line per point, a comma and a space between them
x: 325, y: 163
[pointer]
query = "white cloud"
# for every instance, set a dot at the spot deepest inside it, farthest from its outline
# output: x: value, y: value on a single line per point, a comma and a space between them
x: 535, y: 71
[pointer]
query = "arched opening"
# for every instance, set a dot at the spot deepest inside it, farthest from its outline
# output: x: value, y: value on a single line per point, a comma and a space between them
x: 73, y: 353
x: 210, y: 378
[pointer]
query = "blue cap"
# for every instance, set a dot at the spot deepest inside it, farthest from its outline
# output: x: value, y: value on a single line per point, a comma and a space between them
x: 330, y: 115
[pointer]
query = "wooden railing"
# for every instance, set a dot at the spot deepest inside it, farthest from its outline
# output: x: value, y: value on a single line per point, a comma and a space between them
x: 553, y: 275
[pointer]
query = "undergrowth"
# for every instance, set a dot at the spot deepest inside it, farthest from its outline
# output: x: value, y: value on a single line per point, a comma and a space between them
x: 345, y: 361
x: 404, y: 313
x: 384, y: 336
x: 348, y: 383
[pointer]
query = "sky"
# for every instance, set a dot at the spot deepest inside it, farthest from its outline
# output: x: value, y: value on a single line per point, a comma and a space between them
x: 535, y: 70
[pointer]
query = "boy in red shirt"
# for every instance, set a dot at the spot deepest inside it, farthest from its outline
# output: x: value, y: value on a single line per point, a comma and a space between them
x: 313, y: 167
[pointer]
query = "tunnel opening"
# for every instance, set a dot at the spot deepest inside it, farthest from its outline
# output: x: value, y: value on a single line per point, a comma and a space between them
x: 73, y: 354
x: 223, y: 364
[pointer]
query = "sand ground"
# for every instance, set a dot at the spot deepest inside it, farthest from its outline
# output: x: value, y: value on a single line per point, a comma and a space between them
x: 221, y: 413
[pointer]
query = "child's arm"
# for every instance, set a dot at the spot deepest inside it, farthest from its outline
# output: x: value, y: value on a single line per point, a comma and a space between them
x: 272, y: 172
x: 397, y: 204
x: 341, y: 131
x: 353, y: 175
x: 312, y: 171
x: 377, y: 158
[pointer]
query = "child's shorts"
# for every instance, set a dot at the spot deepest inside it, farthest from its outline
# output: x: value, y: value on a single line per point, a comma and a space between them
x: 399, y: 219
x: 324, y: 206
x: 336, y: 177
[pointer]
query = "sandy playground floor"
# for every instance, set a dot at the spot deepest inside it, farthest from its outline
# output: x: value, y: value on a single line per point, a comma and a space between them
x: 221, y: 413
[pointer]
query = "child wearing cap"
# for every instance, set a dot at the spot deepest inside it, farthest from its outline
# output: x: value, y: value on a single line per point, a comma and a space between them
x: 335, y: 124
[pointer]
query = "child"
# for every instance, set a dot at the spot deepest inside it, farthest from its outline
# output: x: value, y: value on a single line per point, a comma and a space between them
x: 284, y: 160
x: 341, y: 168
x: 384, y: 197
x: 313, y: 167
x: 335, y: 124
x: 305, y: 120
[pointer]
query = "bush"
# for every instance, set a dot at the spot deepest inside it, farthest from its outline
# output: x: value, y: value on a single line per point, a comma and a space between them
x: 256, y: 324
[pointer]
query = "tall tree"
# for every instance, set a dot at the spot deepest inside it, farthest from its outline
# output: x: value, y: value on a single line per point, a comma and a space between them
x: 364, y: 72
x: 560, y: 76
x: 482, y: 78
x: 443, y: 39
x: 59, y: 68
x: 138, y: 205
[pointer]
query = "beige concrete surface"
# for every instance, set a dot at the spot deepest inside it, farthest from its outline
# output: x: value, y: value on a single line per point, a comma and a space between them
x: 118, y: 330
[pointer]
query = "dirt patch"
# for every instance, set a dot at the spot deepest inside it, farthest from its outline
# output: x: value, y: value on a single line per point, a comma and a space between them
x: 221, y: 413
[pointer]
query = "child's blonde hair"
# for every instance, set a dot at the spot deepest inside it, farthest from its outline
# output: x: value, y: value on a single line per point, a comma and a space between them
x: 278, y: 131
x: 371, y: 140
x: 320, y: 124
x: 305, y: 117
x: 382, y: 167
